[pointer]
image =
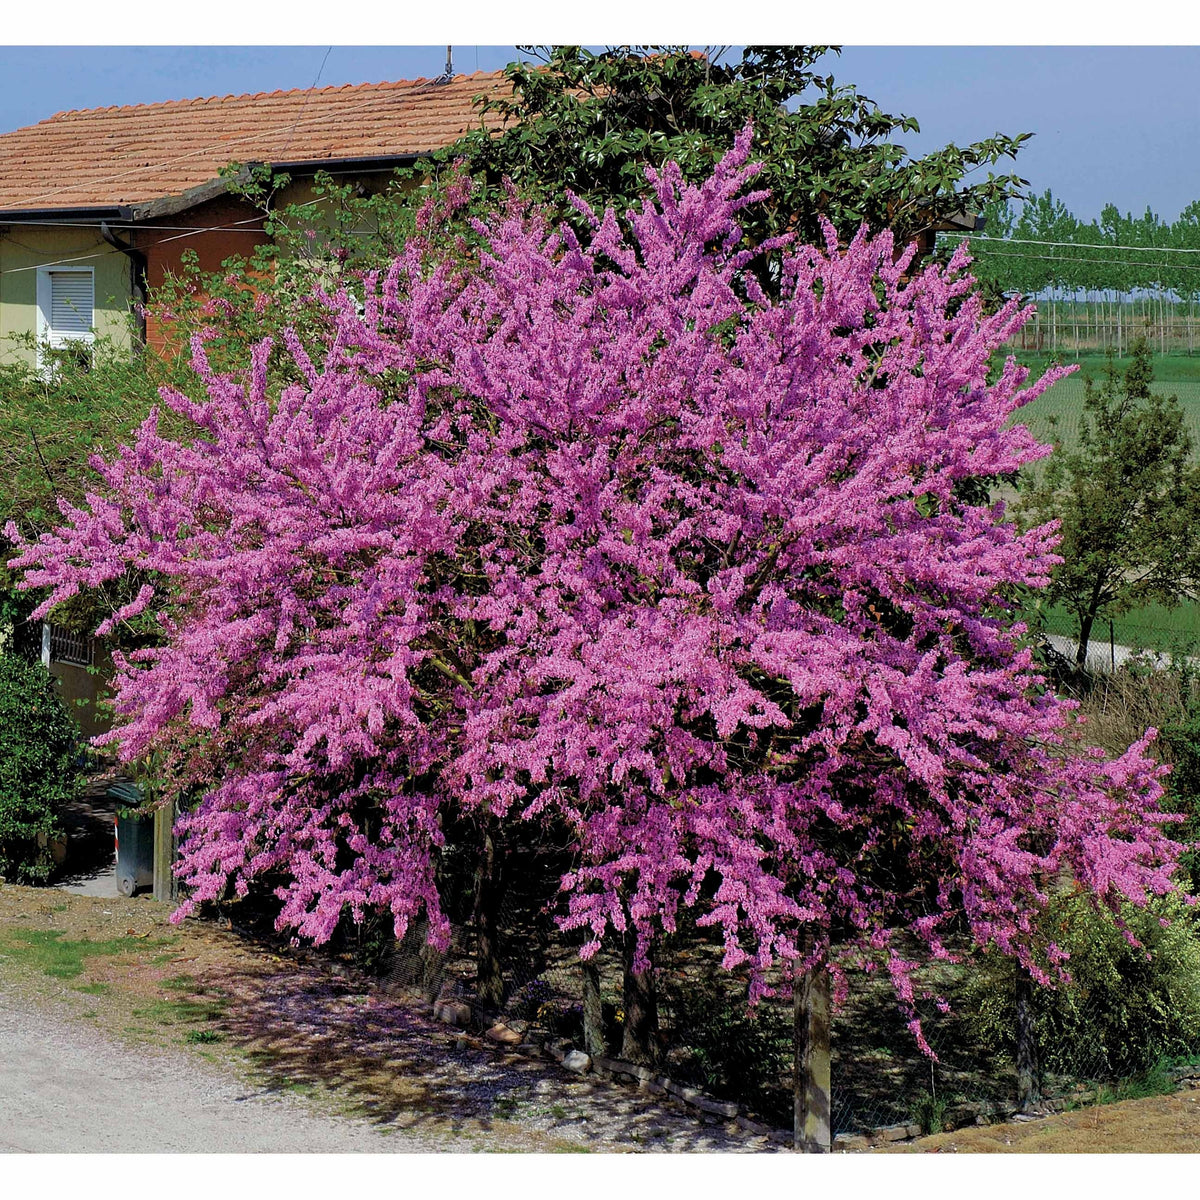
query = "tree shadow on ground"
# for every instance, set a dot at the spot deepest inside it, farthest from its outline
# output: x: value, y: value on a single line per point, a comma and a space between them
x: 381, y: 1059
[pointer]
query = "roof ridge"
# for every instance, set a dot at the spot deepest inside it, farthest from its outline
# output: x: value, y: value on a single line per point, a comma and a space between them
x: 390, y: 84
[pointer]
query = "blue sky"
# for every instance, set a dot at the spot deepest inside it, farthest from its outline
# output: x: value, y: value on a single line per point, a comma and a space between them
x: 1119, y: 124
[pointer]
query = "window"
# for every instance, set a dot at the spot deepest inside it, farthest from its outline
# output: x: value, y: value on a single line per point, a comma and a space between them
x: 66, y: 300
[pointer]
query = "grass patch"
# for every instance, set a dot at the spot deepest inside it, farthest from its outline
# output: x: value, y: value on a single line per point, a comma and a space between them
x: 48, y: 951
x: 1158, y: 1081
x: 94, y: 989
x: 202, y: 1037
x: 182, y: 1012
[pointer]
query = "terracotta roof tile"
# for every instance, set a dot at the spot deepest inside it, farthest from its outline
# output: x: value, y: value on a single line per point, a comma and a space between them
x: 135, y: 153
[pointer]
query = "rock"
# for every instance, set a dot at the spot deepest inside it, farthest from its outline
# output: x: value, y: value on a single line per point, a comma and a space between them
x: 577, y: 1061
x: 531, y: 1048
x: 914, y: 1131
x: 617, y: 1066
x: 453, y: 1012
x: 501, y: 1035
x: 718, y: 1108
x: 754, y: 1127
x: 891, y: 1133
x: 846, y: 1143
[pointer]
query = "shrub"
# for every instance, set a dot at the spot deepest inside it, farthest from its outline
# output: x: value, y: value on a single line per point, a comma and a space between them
x: 1126, y: 1007
x: 37, y: 771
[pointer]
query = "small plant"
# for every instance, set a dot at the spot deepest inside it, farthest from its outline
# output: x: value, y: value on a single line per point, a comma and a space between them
x: 202, y: 1037
x: 929, y: 1112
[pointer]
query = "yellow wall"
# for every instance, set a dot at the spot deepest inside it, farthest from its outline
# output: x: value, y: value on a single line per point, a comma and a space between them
x: 36, y: 245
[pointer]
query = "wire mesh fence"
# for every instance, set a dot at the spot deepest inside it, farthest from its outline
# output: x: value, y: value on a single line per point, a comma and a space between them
x: 711, y: 1040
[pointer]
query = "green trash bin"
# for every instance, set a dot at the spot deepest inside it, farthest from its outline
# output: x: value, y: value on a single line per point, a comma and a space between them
x: 134, y: 841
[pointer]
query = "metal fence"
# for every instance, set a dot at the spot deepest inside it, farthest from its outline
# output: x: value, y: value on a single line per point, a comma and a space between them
x: 711, y: 1040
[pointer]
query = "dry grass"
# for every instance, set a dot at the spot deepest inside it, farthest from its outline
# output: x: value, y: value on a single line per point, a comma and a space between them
x: 1117, y: 709
x: 1155, y: 1125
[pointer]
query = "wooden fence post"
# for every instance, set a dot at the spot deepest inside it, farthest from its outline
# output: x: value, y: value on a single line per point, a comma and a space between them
x: 811, y: 1079
x: 166, y: 887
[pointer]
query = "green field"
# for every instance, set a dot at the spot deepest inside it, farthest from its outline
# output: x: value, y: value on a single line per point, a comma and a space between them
x: 1176, y: 375
x: 1149, y: 628
x: 1153, y: 627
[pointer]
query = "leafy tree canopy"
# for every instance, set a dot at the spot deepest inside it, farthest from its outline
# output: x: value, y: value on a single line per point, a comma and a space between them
x: 591, y: 123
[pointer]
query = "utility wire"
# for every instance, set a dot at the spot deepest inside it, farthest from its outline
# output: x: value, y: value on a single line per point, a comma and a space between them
x: 983, y: 237
x: 231, y: 226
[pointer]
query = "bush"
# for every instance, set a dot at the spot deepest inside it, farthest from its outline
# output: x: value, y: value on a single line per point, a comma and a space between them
x: 37, y: 768
x: 1125, y: 1008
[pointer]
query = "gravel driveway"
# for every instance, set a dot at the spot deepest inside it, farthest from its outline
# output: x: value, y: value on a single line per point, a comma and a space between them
x: 65, y: 1088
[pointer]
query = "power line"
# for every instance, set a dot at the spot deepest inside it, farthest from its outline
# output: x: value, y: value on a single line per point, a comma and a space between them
x: 983, y: 237
x: 229, y: 227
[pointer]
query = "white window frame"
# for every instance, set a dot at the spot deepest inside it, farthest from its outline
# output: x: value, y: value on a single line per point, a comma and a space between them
x: 46, y: 337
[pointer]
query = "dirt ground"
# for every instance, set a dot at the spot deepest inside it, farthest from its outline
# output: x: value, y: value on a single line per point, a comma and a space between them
x: 1155, y: 1125
x: 293, y: 1024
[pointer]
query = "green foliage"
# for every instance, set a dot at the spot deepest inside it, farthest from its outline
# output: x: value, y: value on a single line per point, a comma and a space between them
x: 1125, y: 1008
x: 37, y: 768
x: 1180, y: 745
x: 51, y: 421
x: 1128, y: 500
x: 929, y: 1111
x: 728, y: 1049
x: 591, y: 123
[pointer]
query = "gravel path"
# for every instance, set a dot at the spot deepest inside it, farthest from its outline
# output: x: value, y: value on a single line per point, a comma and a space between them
x: 64, y: 1088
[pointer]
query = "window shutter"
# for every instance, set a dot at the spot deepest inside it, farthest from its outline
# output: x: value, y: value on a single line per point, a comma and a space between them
x: 72, y: 296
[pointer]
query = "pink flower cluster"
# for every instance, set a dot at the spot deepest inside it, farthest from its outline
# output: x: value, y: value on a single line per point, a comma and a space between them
x: 602, y: 533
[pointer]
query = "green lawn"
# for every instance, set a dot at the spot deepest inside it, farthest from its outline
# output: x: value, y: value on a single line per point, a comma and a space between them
x: 1153, y: 627
x: 1176, y: 375
x: 1149, y: 628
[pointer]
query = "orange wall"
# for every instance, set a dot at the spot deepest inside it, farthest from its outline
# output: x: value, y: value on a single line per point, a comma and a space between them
x: 229, y: 227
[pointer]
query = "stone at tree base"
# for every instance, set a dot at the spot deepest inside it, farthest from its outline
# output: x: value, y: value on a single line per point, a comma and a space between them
x: 502, y: 1035
x: 577, y: 1061
x: 453, y: 1012
x: 718, y: 1108
x: 754, y: 1127
x: 846, y: 1142
x: 892, y: 1133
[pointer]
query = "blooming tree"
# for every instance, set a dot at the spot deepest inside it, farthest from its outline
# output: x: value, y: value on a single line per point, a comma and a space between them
x: 597, y: 532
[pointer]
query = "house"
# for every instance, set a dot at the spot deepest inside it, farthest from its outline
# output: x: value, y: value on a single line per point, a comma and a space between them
x: 99, y: 205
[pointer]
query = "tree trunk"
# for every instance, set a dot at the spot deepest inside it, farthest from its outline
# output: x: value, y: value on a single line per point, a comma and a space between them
x: 1029, y: 1092
x: 1085, y: 636
x: 812, y: 1131
x: 640, y: 1042
x: 593, y: 1013
x: 489, y: 893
